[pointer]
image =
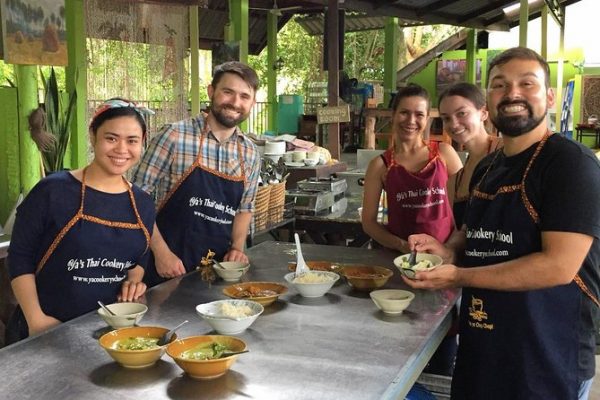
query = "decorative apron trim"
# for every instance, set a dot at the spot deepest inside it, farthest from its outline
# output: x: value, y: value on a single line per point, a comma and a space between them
x: 530, y: 209
x: 80, y: 215
x: 458, y: 177
x: 433, y: 155
x: 198, y: 164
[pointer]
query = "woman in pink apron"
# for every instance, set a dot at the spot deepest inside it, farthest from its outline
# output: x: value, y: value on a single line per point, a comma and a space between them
x: 82, y: 236
x: 414, y: 174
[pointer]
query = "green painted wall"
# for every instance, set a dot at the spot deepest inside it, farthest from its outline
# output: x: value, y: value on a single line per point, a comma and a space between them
x: 426, y: 77
x: 10, y: 180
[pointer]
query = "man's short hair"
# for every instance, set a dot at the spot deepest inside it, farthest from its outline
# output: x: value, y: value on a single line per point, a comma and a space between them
x: 238, y: 68
x: 521, y: 53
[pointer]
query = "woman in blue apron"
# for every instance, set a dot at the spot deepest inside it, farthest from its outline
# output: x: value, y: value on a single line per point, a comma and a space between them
x: 84, y: 235
x: 205, y: 201
x: 513, y: 346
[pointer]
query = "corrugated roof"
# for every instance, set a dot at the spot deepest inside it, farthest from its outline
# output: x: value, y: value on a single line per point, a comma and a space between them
x: 481, y: 14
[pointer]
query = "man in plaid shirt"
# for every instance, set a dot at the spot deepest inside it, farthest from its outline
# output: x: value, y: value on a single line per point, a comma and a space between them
x: 203, y: 173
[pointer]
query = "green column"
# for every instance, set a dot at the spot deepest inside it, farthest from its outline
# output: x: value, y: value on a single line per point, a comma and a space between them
x: 194, y: 61
x: 544, y: 44
x: 560, y: 71
x: 471, y: 57
x: 76, y: 76
x: 390, y: 58
x: 10, y: 170
x: 29, y: 156
x: 271, y: 72
x: 238, y: 14
x: 523, y: 20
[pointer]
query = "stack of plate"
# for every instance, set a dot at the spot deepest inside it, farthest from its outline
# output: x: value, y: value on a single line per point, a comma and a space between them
x: 274, y: 150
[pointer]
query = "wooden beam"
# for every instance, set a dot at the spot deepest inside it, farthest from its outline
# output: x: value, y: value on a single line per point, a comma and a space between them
x: 434, y: 6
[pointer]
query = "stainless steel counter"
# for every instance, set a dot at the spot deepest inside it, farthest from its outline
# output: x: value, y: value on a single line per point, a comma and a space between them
x: 335, y: 347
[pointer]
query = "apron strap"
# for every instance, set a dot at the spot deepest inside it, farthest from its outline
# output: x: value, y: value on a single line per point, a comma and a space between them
x: 198, y: 164
x: 585, y: 289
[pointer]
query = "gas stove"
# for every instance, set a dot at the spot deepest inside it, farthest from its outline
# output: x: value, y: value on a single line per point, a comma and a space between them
x: 332, y: 184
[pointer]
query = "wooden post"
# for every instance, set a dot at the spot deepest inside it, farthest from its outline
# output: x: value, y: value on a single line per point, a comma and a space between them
x: 271, y: 72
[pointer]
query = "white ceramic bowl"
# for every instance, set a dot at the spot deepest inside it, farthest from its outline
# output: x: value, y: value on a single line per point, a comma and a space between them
x: 310, y: 162
x: 410, y: 272
x: 392, y: 301
x: 313, y: 289
x: 232, y: 271
x: 128, y: 314
x: 213, y: 314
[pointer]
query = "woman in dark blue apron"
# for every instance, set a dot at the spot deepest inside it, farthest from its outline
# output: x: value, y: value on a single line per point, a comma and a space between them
x: 72, y: 244
x: 513, y: 346
x: 204, y: 201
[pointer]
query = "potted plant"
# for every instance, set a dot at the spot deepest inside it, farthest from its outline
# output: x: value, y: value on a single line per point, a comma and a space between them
x: 50, y: 125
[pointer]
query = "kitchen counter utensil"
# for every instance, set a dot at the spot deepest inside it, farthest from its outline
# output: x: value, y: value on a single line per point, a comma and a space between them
x: 166, y: 338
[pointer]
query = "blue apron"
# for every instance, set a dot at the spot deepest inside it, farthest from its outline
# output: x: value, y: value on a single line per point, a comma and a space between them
x: 513, y: 345
x: 83, y: 264
x: 197, y: 214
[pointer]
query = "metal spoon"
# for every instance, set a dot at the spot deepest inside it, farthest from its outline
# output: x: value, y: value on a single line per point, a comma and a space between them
x: 166, y: 338
x: 233, y: 353
x: 218, y: 264
x: 108, y: 310
x: 412, y: 260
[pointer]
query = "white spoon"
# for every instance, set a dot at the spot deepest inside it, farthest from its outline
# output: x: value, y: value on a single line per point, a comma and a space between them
x: 301, y: 266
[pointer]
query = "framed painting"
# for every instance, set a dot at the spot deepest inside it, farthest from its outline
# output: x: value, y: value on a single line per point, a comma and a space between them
x: 34, y: 32
x: 450, y: 72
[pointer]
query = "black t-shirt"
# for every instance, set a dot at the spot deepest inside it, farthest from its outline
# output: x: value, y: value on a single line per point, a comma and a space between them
x: 563, y: 186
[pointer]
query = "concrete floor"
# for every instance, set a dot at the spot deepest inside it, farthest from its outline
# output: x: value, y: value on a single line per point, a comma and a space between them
x: 595, y: 393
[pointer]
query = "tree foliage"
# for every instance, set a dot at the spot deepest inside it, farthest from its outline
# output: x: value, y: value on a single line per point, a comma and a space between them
x: 363, y: 54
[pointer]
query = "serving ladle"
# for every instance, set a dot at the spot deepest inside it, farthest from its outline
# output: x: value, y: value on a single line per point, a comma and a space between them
x: 166, y: 338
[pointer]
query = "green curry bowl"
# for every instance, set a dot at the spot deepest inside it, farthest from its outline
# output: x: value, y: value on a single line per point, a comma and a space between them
x: 127, y: 314
x: 424, y: 262
x: 205, y: 357
x: 134, y: 347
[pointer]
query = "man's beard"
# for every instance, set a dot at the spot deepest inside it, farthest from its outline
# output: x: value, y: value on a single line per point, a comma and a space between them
x: 514, y: 126
x: 228, y: 122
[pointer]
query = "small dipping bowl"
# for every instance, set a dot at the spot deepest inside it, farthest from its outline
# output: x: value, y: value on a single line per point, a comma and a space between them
x: 128, y: 314
x: 231, y: 271
x: 392, y: 301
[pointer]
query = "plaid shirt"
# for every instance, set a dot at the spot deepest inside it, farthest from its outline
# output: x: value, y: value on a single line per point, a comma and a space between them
x: 175, y: 148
